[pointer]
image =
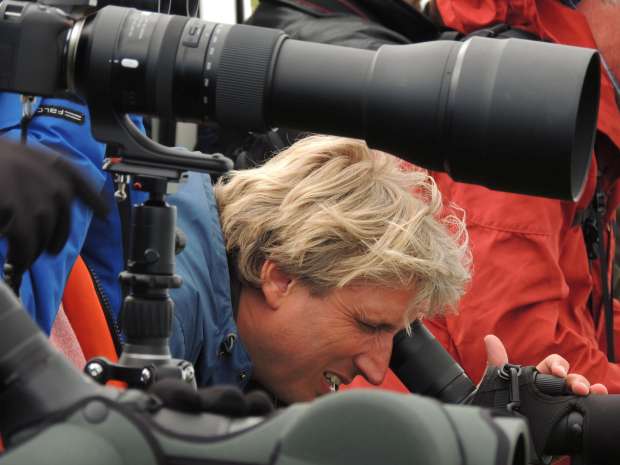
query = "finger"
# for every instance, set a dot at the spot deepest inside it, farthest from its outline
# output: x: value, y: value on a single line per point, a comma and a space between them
x: 42, y: 225
x: 20, y: 256
x: 6, y: 218
x: 554, y: 365
x: 496, y: 352
x: 24, y: 246
x: 86, y: 191
x: 578, y: 384
x: 62, y: 227
x: 598, y: 389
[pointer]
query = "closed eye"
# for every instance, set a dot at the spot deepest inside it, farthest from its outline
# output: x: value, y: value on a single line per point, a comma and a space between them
x: 368, y: 327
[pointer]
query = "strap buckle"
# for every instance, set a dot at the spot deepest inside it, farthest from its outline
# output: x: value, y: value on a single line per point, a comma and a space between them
x: 510, y: 373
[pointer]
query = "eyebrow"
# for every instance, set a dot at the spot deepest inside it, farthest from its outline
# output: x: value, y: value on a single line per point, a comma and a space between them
x: 378, y: 324
x: 361, y: 314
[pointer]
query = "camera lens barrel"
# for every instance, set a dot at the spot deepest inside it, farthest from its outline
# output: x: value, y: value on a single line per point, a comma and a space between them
x: 514, y: 115
x: 176, y: 67
x: 425, y: 367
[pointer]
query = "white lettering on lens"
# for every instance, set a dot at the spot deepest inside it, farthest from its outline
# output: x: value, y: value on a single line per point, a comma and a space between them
x: 129, y: 63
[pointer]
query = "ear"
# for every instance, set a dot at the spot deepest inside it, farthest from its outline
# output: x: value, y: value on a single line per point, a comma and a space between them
x: 275, y: 284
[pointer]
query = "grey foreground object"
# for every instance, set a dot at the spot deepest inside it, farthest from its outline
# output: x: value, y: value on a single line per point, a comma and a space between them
x: 51, y: 414
x: 358, y: 427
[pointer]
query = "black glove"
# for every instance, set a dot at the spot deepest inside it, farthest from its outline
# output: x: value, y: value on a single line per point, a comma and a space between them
x: 221, y: 400
x: 36, y: 192
x: 542, y: 399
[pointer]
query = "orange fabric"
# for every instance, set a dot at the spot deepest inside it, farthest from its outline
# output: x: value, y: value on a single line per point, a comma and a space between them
x: 86, y: 316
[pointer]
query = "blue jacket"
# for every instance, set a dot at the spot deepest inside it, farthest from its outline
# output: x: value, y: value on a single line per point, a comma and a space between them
x: 203, y: 317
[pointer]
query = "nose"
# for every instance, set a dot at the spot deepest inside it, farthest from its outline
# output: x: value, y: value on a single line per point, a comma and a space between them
x: 373, y: 363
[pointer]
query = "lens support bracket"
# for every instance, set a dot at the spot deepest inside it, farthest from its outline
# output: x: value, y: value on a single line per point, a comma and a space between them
x: 147, y: 310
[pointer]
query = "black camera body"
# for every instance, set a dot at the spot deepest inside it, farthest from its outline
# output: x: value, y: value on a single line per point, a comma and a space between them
x: 33, y: 40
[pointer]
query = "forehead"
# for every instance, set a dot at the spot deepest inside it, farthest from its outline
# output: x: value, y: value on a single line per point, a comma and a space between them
x: 381, y: 304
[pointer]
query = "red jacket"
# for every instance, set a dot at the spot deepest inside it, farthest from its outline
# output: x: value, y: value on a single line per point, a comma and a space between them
x: 532, y: 278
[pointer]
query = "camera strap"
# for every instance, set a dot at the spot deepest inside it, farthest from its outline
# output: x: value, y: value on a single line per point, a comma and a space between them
x: 600, y: 207
x: 27, y: 114
x: 593, y: 224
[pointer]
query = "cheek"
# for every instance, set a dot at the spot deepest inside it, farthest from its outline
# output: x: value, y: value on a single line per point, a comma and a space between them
x: 382, y: 342
x: 336, y: 341
x: 354, y: 342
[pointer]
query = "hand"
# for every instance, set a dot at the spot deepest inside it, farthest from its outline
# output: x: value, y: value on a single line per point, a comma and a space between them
x: 36, y: 193
x: 551, y: 365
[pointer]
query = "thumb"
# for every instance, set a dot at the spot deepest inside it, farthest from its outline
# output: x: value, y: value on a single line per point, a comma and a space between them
x: 496, y: 352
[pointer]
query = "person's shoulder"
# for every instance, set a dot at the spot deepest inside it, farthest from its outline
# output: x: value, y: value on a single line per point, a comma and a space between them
x: 194, y: 193
x: 303, y: 23
x: 350, y: 31
x: 204, y: 257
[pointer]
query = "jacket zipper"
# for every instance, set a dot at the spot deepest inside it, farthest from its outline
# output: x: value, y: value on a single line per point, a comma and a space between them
x: 107, y: 310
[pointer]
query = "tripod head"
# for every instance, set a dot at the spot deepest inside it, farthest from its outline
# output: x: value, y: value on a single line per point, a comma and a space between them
x: 147, y: 310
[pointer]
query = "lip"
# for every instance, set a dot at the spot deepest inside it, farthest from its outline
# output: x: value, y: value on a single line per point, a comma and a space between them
x: 326, y: 387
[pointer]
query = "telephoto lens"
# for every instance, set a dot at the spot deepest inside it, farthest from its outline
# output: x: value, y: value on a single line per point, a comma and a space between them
x: 512, y: 114
x: 172, y: 7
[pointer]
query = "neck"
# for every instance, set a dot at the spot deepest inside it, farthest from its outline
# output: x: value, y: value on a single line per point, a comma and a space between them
x: 247, y: 321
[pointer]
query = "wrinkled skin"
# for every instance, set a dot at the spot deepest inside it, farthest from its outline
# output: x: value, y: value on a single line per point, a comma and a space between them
x: 295, y: 337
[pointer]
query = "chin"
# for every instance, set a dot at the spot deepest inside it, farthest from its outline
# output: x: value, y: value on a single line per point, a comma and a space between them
x: 298, y: 392
x: 291, y: 397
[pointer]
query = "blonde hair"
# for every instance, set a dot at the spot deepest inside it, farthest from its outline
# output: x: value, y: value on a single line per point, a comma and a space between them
x: 331, y: 212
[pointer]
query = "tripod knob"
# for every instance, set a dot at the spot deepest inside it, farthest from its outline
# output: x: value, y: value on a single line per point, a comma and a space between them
x: 146, y: 319
x: 150, y: 281
x: 180, y: 241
